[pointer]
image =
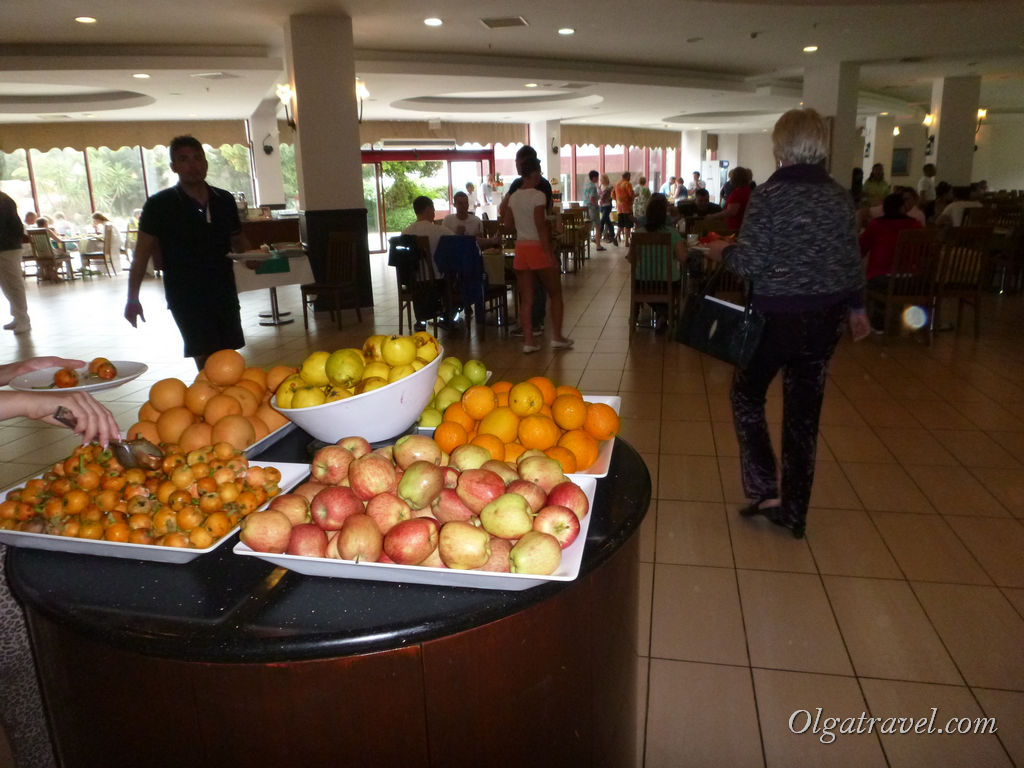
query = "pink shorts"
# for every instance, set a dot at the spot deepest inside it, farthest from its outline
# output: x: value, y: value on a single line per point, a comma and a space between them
x: 530, y: 254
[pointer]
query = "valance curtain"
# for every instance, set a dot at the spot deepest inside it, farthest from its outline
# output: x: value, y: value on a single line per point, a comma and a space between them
x: 372, y: 131
x: 614, y: 135
x: 79, y: 135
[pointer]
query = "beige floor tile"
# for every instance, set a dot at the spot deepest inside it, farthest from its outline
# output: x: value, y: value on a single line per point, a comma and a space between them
x: 783, y: 698
x: 642, y: 434
x: 758, y: 544
x: 638, y: 405
x: 732, y: 482
x: 934, y: 414
x: 701, y: 715
x: 927, y: 549
x: 684, y: 407
x: 955, y: 491
x: 1006, y: 485
x: 859, y: 388
x: 693, y: 533
x: 607, y: 361
x: 1016, y: 598
x: 1008, y: 709
x: 914, y: 445
x: 651, y: 461
x: 1011, y: 441
x: 696, y: 615
x: 725, y: 438
x: 691, y: 438
x: 854, y: 443
x: 648, y: 533
x: 593, y: 381
x: 682, y: 382
x: 887, y: 633
x: 643, y: 665
x: 790, y: 624
x: 974, y: 448
x: 845, y: 542
x: 832, y: 489
x: 989, y: 415
x: 885, y: 487
x: 981, y: 630
x: 893, y: 699
x: 838, y: 410
x: 997, y: 543
x: 887, y: 412
x: 637, y: 381
x: 690, y: 478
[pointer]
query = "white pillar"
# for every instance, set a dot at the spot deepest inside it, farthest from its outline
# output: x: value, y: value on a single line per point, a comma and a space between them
x: 691, y: 150
x: 546, y: 138
x: 267, y: 164
x: 955, y: 106
x: 831, y: 89
x: 322, y: 72
x: 878, y: 134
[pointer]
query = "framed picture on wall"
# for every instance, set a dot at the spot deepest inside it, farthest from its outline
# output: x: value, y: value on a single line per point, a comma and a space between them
x: 901, y: 162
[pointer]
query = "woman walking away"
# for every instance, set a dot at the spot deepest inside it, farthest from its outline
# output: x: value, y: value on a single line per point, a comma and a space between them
x: 798, y: 250
x: 535, y: 256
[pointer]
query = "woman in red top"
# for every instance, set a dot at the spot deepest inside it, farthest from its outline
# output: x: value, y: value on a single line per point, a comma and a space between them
x: 878, y: 244
x: 736, y: 203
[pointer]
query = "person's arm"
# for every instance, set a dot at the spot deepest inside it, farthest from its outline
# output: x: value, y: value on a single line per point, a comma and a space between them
x: 9, y: 371
x: 540, y: 220
x: 239, y: 242
x: 94, y: 422
x: 146, y: 247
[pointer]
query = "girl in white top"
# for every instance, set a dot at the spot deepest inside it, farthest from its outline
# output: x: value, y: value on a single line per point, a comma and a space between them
x: 527, y: 208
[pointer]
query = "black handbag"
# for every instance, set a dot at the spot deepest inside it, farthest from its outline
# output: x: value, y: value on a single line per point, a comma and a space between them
x: 718, y: 328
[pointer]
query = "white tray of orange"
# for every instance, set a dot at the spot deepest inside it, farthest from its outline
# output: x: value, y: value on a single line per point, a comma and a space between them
x: 582, y: 446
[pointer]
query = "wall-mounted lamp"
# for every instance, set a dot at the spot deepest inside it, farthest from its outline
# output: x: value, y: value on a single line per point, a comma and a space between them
x: 287, y: 95
x: 982, y: 114
x: 554, y: 146
x: 867, y: 149
x: 895, y: 130
x: 928, y: 121
x: 268, y: 148
x: 362, y: 94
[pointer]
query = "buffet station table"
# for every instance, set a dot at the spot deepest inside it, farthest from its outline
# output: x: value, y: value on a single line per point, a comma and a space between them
x: 229, y: 660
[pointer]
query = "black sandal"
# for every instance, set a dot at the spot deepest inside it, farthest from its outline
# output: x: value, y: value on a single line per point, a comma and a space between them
x: 755, y: 509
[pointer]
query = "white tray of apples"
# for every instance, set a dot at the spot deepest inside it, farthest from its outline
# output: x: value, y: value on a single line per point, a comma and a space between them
x: 486, y: 522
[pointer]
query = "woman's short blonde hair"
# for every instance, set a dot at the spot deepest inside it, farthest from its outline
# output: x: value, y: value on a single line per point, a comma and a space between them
x: 800, y: 136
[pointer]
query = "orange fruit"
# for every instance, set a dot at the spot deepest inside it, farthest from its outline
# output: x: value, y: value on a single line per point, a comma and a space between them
x: 195, y: 436
x: 565, y: 389
x: 502, y: 423
x: 173, y: 422
x: 247, y: 399
x: 455, y: 412
x: 583, y: 445
x: 513, y: 451
x: 546, y: 387
x: 146, y: 429
x: 234, y: 429
x: 148, y: 413
x: 602, y: 421
x: 224, y: 367
x: 256, y: 375
x: 492, y: 443
x: 167, y: 393
x: 257, y: 389
x: 478, y: 401
x: 502, y: 398
x: 525, y: 398
x: 563, y: 456
x: 258, y: 427
x: 273, y: 419
x: 198, y: 395
x: 545, y: 410
x: 219, y: 406
x: 449, y: 435
x: 569, y: 411
x: 277, y: 374
x: 536, y: 431
x: 501, y: 386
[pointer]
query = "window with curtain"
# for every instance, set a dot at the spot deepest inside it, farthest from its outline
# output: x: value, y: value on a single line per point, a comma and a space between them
x: 62, y: 187
x: 14, y: 181
x: 117, y: 184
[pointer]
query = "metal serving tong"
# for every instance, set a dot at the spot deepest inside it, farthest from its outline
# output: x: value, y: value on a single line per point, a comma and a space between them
x: 131, y: 453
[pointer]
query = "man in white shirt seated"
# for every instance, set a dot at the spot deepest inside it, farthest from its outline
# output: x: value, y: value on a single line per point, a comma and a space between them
x: 696, y: 184
x: 926, y: 185
x: 953, y: 214
x: 424, y: 225
x: 463, y: 221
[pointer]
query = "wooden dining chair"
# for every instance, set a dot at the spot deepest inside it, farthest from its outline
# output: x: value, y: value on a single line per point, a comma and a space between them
x: 418, y: 285
x: 654, y: 276
x: 340, y: 287
x: 912, y: 280
x: 964, y: 271
x: 50, y: 262
x: 102, y: 256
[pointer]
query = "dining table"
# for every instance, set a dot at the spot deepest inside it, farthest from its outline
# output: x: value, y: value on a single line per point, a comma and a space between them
x: 257, y: 270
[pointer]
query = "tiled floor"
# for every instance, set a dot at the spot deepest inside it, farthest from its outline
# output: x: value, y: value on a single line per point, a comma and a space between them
x: 906, y: 596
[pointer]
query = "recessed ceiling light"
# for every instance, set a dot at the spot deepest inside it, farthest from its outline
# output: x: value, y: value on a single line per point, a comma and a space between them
x: 810, y: 48
x: 141, y: 76
x: 85, y: 19
x: 567, y: 31
x: 433, y: 21
x: 529, y: 85
x: 883, y: 113
x: 88, y: 114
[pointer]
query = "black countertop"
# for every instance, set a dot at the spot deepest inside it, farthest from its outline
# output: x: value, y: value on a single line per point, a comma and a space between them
x: 224, y: 608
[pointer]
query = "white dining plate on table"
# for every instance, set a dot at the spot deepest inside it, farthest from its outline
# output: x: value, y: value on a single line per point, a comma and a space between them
x: 42, y: 380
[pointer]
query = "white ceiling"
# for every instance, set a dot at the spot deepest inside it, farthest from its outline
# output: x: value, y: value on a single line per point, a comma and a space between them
x: 723, y: 66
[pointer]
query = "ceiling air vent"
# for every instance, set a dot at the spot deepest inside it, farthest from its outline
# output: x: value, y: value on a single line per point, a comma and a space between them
x: 417, y: 144
x: 54, y: 117
x: 214, y: 76
x: 507, y: 21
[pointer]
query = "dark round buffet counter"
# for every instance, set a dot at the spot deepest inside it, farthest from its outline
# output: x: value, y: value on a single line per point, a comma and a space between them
x: 231, y: 661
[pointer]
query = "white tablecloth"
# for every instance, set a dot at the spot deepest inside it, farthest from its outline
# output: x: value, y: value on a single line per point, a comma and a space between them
x: 299, y: 272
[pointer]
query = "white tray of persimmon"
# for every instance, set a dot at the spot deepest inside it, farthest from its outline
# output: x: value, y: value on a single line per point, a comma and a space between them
x: 89, y: 504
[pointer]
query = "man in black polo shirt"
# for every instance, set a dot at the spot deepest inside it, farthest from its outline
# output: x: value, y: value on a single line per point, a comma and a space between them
x: 189, y: 229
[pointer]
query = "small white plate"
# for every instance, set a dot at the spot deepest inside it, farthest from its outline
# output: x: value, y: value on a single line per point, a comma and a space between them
x: 42, y: 380
x: 291, y: 475
x: 568, y: 570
